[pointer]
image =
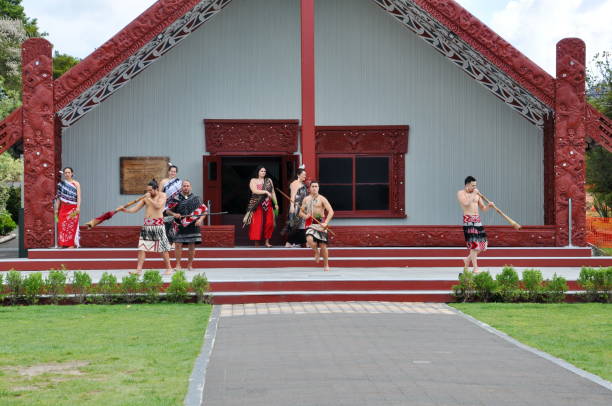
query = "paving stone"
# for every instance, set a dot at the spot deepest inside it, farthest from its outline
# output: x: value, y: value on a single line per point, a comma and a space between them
x: 369, y: 354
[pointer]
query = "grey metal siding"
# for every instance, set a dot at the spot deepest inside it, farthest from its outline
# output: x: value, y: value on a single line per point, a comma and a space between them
x: 244, y: 63
x: 372, y: 70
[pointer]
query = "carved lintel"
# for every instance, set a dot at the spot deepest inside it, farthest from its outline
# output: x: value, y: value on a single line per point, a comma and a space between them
x: 251, y: 136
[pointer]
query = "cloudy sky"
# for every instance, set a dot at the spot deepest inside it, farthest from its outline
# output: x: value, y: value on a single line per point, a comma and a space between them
x: 77, y: 27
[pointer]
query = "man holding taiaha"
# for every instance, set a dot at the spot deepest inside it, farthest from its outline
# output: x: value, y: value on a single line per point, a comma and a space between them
x: 152, y: 234
x: 473, y: 231
x: 188, y: 218
x: 317, y: 212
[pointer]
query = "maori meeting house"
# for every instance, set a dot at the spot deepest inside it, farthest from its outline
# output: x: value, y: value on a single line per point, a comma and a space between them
x: 389, y: 103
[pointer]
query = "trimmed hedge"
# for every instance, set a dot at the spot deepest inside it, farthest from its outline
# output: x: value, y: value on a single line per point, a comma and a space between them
x: 507, y: 287
x: 15, y: 288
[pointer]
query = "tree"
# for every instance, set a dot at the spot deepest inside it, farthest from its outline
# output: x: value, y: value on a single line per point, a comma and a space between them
x: 10, y: 172
x: 13, y: 10
x: 599, y: 83
x: 62, y: 63
x: 12, y: 34
x: 598, y: 160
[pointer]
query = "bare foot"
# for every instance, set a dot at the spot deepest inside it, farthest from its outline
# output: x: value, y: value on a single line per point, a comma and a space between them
x: 135, y: 272
x: 178, y: 266
x: 168, y: 272
x: 189, y: 268
x: 326, y: 269
x: 476, y: 271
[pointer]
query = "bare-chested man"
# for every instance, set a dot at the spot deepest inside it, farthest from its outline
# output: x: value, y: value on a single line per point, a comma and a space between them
x: 152, y: 234
x: 475, y: 236
x: 317, y: 206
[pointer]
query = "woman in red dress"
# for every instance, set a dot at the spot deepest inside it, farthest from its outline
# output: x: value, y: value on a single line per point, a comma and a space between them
x: 260, y: 213
x: 67, y: 210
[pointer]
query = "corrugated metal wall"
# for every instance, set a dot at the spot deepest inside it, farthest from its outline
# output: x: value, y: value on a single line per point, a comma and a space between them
x: 244, y: 63
x: 372, y: 70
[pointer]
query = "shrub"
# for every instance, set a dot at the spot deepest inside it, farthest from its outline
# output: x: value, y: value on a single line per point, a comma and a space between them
x: 13, y: 203
x: 151, y: 285
x: 200, y: 285
x: 81, y: 284
x: 6, y: 223
x: 597, y: 284
x: 532, y: 283
x: 466, y: 289
x: 1, y: 285
x: 508, y: 284
x: 554, y: 290
x: 55, y: 283
x: 485, y: 286
x: 14, y: 283
x: 107, y: 287
x: 33, y: 286
x: 130, y: 286
x: 177, y: 290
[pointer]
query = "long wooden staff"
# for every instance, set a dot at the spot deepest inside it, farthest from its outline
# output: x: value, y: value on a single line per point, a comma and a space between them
x: 302, y: 211
x: 94, y: 222
x: 513, y: 223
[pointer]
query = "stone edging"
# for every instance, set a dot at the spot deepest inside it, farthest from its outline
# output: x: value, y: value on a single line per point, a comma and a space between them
x: 197, y: 380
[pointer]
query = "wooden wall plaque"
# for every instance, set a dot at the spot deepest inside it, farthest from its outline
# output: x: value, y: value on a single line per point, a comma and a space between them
x: 136, y: 171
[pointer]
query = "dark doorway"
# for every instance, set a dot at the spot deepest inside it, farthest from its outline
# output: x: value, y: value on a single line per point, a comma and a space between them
x: 236, y: 173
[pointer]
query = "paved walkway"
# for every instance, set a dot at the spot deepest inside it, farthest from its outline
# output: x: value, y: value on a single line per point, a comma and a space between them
x: 376, y: 353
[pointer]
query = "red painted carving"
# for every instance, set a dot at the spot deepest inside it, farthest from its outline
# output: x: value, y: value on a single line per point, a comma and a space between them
x: 38, y: 142
x: 549, y: 170
x: 127, y: 236
x: 11, y: 130
x: 362, y: 139
x: 493, y: 47
x: 569, y: 140
x: 599, y: 127
x: 117, y: 49
x: 438, y: 236
x: 58, y: 149
x: 251, y: 136
x: 391, y: 139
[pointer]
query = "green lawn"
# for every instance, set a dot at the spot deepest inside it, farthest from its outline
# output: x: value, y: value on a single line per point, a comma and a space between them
x: 578, y: 333
x: 99, y: 355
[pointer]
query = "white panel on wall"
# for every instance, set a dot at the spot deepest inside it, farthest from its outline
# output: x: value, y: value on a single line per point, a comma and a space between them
x: 370, y: 70
x: 242, y: 64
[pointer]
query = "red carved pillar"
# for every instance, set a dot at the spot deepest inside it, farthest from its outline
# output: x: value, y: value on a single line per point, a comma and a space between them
x: 308, y: 87
x: 569, y: 142
x: 549, y: 170
x: 38, y: 142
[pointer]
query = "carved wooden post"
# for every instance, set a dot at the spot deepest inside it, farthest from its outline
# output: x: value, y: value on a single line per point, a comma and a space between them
x: 569, y: 142
x: 38, y: 142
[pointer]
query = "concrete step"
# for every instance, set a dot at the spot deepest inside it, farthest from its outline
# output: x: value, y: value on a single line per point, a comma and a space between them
x: 155, y: 262
x: 413, y: 252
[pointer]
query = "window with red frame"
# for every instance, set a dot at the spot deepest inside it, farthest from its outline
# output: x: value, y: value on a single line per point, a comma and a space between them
x: 356, y: 183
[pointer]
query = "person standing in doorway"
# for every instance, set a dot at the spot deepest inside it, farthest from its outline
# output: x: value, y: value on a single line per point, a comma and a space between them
x: 260, y: 211
x: 295, y: 223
